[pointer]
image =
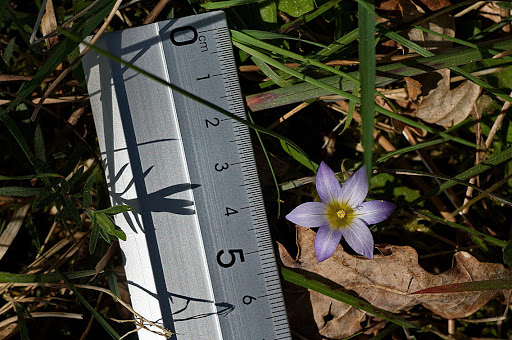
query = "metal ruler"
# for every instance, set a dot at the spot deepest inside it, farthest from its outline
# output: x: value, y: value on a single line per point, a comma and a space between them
x: 199, y: 257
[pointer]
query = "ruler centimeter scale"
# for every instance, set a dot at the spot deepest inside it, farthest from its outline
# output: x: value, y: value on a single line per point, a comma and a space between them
x: 199, y: 257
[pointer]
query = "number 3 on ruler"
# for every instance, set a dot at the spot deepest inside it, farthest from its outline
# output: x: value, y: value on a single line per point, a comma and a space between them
x: 231, y: 252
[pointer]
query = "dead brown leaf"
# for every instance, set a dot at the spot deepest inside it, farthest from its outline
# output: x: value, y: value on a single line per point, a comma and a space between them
x: 413, y: 88
x: 491, y: 11
x: 447, y: 107
x: 440, y: 104
x: 386, y: 282
x: 434, y: 5
x: 49, y: 23
x: 443, y: 24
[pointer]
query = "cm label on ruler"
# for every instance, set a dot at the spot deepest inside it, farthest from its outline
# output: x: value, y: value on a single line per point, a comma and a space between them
x: 199, y: 256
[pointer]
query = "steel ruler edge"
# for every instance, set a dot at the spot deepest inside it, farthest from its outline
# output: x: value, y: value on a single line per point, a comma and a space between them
x: 198, y: 257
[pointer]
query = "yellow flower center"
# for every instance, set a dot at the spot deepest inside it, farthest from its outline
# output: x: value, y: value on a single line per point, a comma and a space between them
x: 339, y: 214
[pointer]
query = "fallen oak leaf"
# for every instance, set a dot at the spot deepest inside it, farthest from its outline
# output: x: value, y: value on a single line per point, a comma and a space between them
x: 447, y: 107
x: 386, y: 283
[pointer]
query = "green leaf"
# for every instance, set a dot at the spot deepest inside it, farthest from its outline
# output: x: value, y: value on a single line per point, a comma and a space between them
x: 112, y: 280
x: 95, y: 231
x: 39, y: 143
x: 268, y: 11
x: 3, y: 7
x: 507, y: 254
x: 299, y: 156
x: 108, y: 225
x: 20, y: 191
x: 8, y: 51
x: 79, y: 5
x: 116, y: 210
x: 86, y: 192
x: 296, y: 8
x: 46, y: 198
x: 505, y: 4
x: 43, y: 167
x: 307, y: 17
x: 69, y: 210
x: 22, y: 323
x: 106, y: 236
x: 76, y: 176
x: 74, y: 158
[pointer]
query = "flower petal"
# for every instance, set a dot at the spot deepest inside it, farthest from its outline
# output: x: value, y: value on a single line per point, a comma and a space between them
x: 375, y: 211
x: 326, y: 241
x: 327, y: 185
x: 310, y: 214
x: 359, y: 237
x: 355, y: 189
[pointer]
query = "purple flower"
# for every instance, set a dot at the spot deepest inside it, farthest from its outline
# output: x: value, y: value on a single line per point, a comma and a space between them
x: 342, y: 212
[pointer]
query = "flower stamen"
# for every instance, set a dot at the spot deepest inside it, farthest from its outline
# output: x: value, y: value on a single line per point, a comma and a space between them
x: 341, y: 214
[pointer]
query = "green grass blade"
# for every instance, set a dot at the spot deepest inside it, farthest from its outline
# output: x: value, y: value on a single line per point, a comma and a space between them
x: 497, y: 284
x: 367, y: 64
x: 426, y: 53
x: 274, y: 178
x: 473, y: 232
x: 264, y: 35
x: 228, y: 3
x: 270, y: 73
x: 58, y: 54
x: 302, y: 281
x: 40, y: 277
x: 409, y: 149
x: 332, y: 89
x: 350, y: 113
x: 447, y: 179
x: 248, y: 40
x: 22, y: 322
x: 491, y: 29
x: 17, y: 191
x: 20, y: 178
x: 90, y: 308
x: 491, y: 162
x: 386, y: 74
x: 299, y: 157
